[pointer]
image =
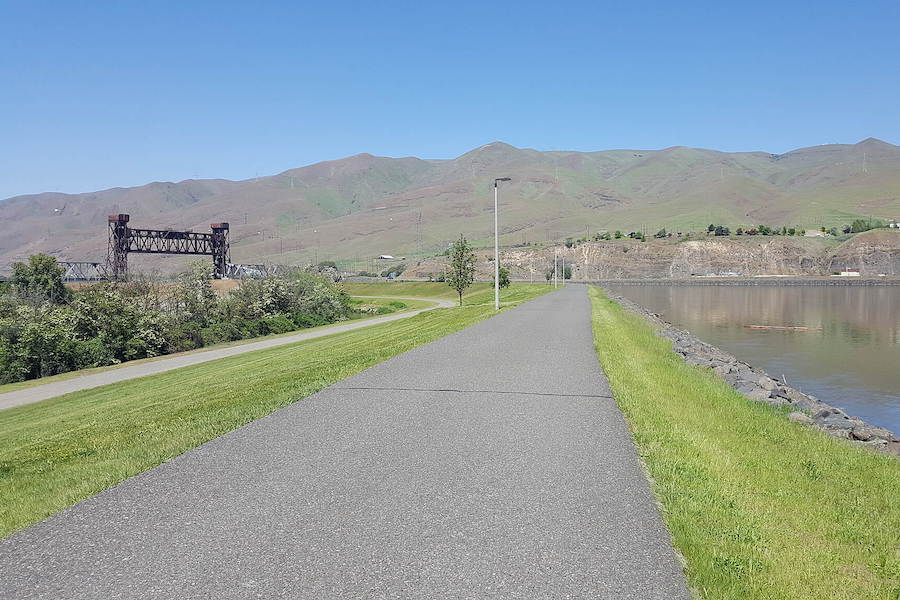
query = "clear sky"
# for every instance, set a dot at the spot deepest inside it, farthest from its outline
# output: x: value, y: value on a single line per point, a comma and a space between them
x: 101, y: 94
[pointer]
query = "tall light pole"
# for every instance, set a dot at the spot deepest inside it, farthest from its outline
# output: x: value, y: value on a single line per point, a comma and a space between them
x: 555, y: 269
x: 497, y: 242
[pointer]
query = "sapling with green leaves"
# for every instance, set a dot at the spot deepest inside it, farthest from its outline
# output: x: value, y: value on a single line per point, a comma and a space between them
x: 462, y: 266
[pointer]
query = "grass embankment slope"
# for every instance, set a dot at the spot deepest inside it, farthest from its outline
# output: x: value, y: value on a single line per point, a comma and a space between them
x: 420, y: 289
x: 59, y: 451
x: 410, y: 305
x: 760, y: 507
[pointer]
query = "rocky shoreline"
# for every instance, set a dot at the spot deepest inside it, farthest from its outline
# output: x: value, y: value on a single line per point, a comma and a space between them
x: 758, y: 386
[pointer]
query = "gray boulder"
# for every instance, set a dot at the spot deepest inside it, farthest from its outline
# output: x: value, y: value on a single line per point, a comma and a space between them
x: 799, y: 417
x: 865, y: 433
x: 767, y: 383
x: 759, y: 394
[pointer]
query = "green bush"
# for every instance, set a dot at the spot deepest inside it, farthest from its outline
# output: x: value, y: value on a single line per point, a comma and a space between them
x: 278, y: 324
x: 220, y: 333
x: 45, y: 329
x: 183, y: 336
x: 305, y: 320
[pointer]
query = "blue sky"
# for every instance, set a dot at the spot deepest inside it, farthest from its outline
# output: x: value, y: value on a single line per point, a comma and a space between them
x: 97, y: 95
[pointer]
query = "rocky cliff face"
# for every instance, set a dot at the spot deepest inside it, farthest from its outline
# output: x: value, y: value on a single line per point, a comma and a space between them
x: 873, y: 253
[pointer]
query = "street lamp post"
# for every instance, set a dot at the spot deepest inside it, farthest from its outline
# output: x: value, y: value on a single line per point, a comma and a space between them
x: 497, y: 243
x: 555, y: 269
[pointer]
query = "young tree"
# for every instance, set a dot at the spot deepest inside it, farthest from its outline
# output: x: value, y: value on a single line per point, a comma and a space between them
x: 618, y: 234
x: 40, y: 279
x: 462, y: 266
x: 504, y: 277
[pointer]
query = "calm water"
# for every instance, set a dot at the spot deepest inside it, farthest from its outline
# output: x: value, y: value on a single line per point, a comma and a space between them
x: 852, y: 363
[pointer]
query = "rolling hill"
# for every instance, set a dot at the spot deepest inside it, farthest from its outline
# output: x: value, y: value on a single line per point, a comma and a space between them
x: 366, y: 205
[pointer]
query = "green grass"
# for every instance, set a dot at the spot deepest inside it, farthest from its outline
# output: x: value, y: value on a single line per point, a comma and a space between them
x: 19, y: 385
x: 758, y: 506
x: 59, y: 451
x: 479, y: 293
x: 420, y: 289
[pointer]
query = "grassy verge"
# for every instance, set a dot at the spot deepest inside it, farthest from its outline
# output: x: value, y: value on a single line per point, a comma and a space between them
x: 378, y: 302
x: 59, y: 451
x: 478, y: 293
x: 760, y: 507
x: 423, y: 289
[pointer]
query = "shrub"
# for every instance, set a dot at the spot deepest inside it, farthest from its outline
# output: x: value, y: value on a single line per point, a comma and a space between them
x: 183, y: 336
x: 303, y: 320
x: 44, y: 331
x: 40, y: 279
x: 220, y: 333
x: 278, y: 324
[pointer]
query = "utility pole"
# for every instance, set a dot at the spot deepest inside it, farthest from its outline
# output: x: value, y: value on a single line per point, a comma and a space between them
x: 555, y: 271
x: 419, y: 233
x: 497, y: 242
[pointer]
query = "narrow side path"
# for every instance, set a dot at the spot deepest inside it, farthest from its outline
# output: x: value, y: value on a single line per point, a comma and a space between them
x: 85, y: 382
x: 491, y: 463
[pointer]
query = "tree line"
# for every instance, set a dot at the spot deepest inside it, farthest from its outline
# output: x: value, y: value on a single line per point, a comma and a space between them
x: 47, y: 328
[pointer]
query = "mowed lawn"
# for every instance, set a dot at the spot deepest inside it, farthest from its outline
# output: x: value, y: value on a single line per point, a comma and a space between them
x: 759, y: 507
x: 59, y: 451
x: 479, y: 292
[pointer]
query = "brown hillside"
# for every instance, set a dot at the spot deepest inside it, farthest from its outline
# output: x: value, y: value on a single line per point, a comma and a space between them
x: 366, y: 205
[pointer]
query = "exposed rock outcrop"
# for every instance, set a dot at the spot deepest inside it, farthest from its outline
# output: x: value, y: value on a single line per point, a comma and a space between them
x: 873, y: 253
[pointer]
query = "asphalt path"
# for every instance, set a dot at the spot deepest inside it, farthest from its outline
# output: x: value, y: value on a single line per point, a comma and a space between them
x: 491, y: 463
x: 85, y: 382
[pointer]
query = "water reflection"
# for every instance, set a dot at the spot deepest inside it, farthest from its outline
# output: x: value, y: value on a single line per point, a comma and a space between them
x: 850, y: 359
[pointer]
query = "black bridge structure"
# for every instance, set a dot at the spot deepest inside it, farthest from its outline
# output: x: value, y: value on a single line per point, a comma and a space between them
x: 125, y: 240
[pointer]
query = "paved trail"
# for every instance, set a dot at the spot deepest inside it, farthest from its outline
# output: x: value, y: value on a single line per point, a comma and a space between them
x: 86, y: 382
x: 489, y: 464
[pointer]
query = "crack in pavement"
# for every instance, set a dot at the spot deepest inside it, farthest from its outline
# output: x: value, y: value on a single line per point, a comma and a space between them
x: 458, y: 391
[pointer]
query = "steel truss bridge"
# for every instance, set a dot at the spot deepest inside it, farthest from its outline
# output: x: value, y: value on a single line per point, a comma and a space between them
x: 125, y: 240
x: 83, y: 271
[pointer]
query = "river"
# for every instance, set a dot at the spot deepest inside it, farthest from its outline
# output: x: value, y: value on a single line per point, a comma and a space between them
x: 849, y: 359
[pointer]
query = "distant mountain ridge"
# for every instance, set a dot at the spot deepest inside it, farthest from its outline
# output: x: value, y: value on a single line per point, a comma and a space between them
x: 366, y: 205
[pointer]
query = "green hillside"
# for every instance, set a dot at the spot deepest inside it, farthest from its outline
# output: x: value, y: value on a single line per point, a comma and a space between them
x: 365, y: 205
